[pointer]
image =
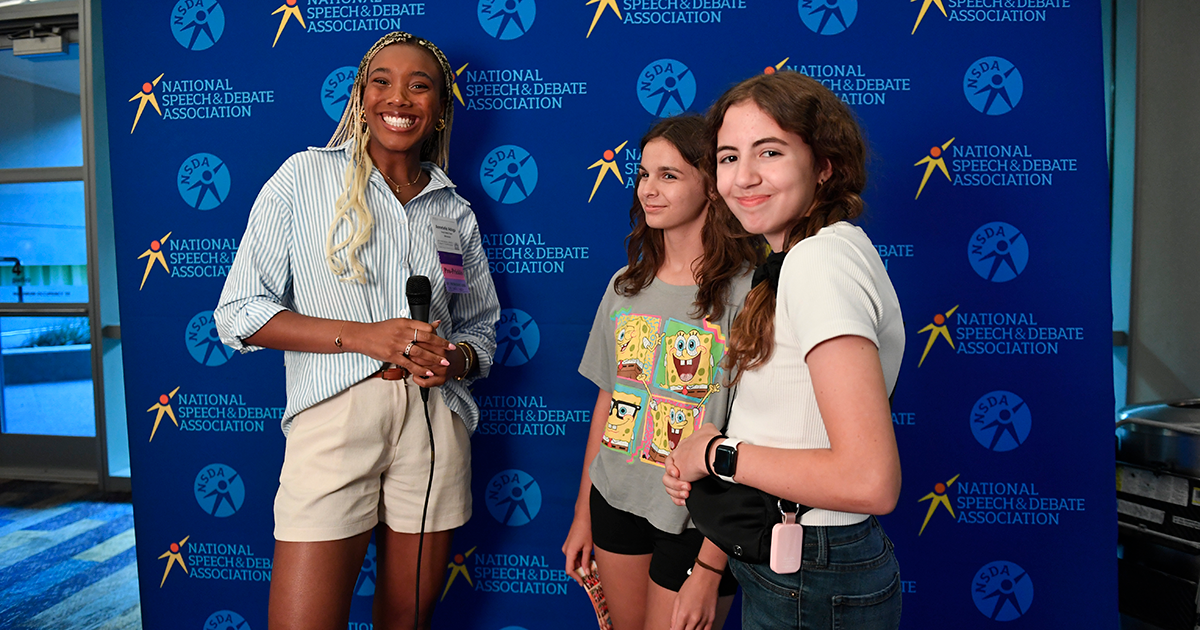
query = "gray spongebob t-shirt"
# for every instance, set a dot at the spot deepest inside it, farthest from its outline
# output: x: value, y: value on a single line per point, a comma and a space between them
x: 663, y: 368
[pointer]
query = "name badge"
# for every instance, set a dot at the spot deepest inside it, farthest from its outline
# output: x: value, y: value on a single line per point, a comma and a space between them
x: 449, y: 246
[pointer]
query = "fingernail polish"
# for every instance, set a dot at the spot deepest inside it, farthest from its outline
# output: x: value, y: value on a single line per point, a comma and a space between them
x: 445, y: 363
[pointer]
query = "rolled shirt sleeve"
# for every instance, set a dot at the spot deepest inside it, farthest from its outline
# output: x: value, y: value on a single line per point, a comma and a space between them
x: 259, y: 284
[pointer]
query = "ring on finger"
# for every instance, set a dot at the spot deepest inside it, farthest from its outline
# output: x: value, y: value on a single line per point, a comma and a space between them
x: 414, y: 335
x: 409, y: 348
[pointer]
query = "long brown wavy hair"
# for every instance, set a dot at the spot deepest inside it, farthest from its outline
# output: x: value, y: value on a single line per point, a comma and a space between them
x: 803, y: 106
x: 728, y: 248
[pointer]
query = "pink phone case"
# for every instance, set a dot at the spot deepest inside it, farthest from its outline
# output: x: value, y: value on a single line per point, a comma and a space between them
x: 787, y: 546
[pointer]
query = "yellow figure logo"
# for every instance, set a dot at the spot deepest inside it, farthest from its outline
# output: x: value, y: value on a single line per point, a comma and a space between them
x: 163, y: 407
x: 935, y: 159
x: 937, y: 329
x: 689, y: 363
x: 607, y: 164
x: 925, y: 7
x: 152, y: 255
x: 637, y: 337
x: 458, y: 567
x: 288, y: 9
x: 454, y: 82
x: 622, y: 412
x: 936, y: 498
x: 146, y: 96
x: 601, y: 5
x: 775, y: 68
x: 173, y: 555
x: 672, y: 423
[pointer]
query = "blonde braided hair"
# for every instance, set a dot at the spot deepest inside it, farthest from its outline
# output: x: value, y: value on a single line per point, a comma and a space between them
x: 351, y: 206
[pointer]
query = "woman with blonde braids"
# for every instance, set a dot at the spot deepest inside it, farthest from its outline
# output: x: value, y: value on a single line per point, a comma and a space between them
x: 330, y: 244
x: 817, y: 348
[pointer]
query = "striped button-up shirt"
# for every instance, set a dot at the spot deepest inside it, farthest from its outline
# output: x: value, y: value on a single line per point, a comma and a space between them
x: 281, y: 265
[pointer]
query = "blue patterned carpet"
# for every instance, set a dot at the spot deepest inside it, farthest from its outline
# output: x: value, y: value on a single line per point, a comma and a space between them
x: 66, y: 559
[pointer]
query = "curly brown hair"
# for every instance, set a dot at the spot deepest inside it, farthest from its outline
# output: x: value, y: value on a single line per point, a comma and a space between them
x: 728, y: 249
x: 803, y: 106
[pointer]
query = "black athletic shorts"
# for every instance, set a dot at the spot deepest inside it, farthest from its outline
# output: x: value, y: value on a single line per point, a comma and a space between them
x: 618, y: 531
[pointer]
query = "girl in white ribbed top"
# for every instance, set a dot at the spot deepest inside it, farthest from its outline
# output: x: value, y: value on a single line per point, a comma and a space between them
x: 817, y: 347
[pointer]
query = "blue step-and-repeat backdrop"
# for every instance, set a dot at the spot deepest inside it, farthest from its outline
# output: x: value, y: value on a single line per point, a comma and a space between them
x: 987, y: 199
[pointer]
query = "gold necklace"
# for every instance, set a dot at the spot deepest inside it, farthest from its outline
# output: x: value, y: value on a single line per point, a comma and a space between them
x: 398, y: 186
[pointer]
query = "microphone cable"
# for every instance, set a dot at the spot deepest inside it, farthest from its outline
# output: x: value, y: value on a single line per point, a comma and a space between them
x: 424, y: 510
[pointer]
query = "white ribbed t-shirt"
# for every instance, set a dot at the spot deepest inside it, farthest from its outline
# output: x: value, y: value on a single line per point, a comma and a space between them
x: 832, y: 284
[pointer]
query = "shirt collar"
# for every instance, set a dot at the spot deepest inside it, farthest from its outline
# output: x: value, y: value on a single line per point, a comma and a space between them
x: 437, y: 177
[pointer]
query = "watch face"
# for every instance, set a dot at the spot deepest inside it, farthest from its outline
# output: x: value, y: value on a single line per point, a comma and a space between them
x: 724, y: 460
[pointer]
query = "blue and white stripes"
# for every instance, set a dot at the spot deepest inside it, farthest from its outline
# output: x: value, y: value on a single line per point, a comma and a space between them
x: 281, y: 265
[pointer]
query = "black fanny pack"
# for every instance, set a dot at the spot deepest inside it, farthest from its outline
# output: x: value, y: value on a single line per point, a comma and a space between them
x: 738, y: 518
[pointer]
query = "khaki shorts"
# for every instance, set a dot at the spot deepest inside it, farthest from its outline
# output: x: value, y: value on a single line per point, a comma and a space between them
x: 362, y: 457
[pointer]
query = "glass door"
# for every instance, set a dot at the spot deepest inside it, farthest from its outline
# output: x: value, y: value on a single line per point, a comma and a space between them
x: 48, y: 337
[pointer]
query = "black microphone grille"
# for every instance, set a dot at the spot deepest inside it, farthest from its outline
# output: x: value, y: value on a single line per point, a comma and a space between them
x: 418, y: 290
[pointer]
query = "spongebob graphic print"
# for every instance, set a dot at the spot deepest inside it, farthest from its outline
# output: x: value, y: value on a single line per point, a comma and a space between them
x: 666, y: 370
x: 661, y: 366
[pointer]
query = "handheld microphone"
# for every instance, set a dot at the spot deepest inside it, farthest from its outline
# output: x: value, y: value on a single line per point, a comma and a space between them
x: 419, y: 293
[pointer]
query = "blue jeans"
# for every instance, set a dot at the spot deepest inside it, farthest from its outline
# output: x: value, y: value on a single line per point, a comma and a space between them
x: 849, y: 580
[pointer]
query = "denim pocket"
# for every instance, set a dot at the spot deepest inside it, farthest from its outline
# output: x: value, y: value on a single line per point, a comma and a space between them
x: 874, y: 611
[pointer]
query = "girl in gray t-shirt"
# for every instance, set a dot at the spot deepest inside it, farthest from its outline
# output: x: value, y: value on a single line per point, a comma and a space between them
x: 655, y: 352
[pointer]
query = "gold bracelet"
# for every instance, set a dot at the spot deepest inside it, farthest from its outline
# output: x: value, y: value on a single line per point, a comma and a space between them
x: 337, y: 341
x: 468, y: 359
x: 710, y: 568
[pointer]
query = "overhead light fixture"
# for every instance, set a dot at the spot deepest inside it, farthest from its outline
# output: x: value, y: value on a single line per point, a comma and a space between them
x: 37, y: 46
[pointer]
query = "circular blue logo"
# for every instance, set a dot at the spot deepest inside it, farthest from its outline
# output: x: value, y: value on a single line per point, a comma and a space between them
x: 365, y: 586
x: 203, y: 181
x: 1001, y: 421
x: 512, y: 628
x: 828, y: 17
x: 513, y: 497
x: 993, y: 86
x: 335, y: 91
x: 998, y: 252
x: 219, y: 490
x: 508, y: 174
x: 197, y: 24
x: 506, y: 19
x: 1002, y: 591
x: 203, y: 342
x: 226, y: 620
x: 666, y: 87
x: 517, y: 337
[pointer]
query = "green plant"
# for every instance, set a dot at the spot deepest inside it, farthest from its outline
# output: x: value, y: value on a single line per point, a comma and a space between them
x: 65, y: 335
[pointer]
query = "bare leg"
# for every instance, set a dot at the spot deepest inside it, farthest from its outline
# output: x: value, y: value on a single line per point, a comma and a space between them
x: 395, y: 603
x: 312, y: 583
x: 625, y: 580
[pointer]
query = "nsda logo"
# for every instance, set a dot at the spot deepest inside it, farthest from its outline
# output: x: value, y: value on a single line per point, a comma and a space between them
x: 508, y: 174
x: 1002, y: 590
x: 607, y: 164
x: 335, y: 91
x: 219, y: 490
x: 935, y: 159
x: 828, y: 17
x: 513, y: 497
x: 517, y: 337
x: 506, y: 19
x: 666, y: 88
x: 998, y: 252
x: 225, y: 620
x: 203, y: 181
x: 202, y: 341
x: 197, y: 24
x: 154, y: 254
x: 146, y: 95
x: 993, y: 86
x: 1000, y: 421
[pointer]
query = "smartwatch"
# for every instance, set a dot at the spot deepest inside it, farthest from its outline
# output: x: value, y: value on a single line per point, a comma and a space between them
x: 725, y: 459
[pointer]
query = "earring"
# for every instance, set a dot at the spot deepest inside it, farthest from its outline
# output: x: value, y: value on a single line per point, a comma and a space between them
x: 441, y: 124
